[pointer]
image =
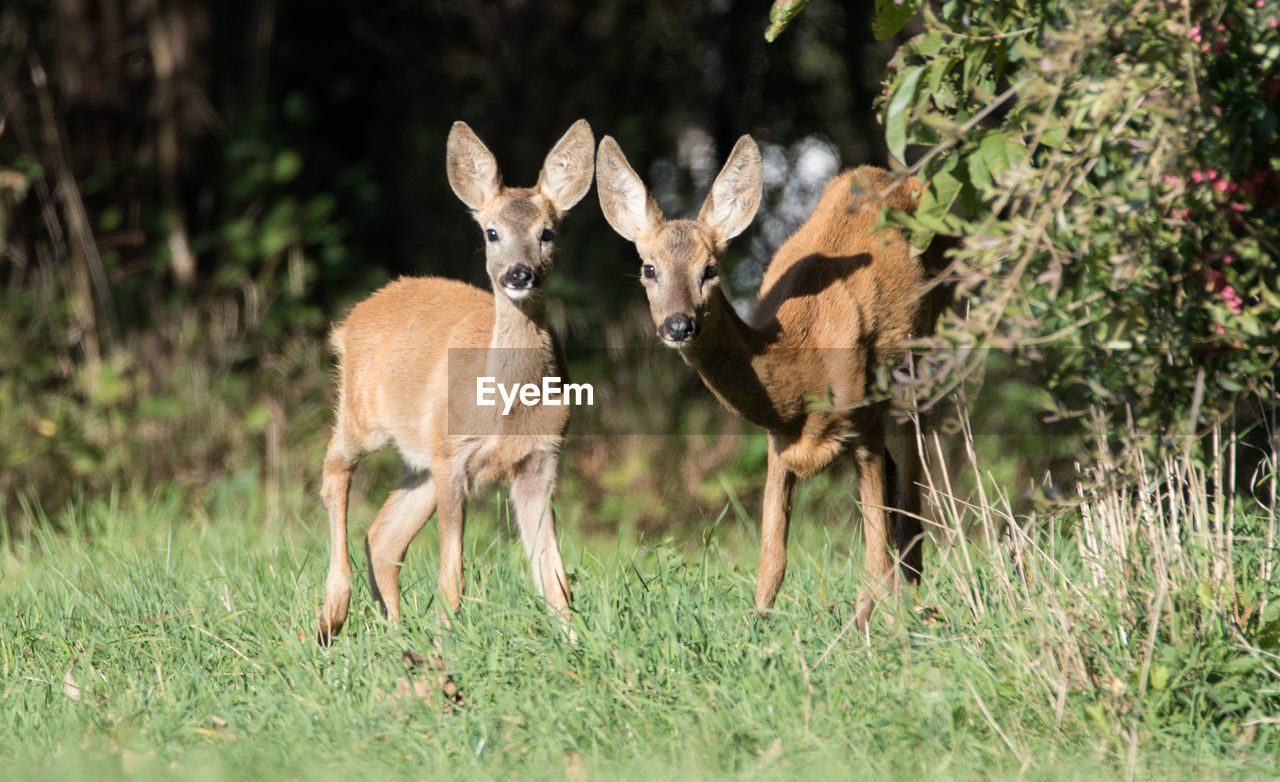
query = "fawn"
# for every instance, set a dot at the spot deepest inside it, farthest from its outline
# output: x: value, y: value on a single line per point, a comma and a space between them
x: 838, y: 300
x: 409, y: 357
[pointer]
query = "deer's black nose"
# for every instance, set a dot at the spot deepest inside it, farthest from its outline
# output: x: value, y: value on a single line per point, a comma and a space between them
x: 678, y: 328
x: 519, y: 276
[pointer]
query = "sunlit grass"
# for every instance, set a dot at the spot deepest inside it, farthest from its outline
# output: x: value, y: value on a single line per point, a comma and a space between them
x: 153, y: 635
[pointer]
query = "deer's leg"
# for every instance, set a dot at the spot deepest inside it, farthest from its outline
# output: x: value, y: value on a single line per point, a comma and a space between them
x: 451, y: 514
x: 400, y: 519
x: 779, y: 490
x: 531, y: 495
x: 878, y: 565
x: 334, y: 489
x: 902, y: 474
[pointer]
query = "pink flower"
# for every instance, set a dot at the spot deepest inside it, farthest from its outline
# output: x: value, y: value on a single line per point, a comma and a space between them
x: 1239, y: 207
x: 1221, y: 329
x: 1220, y: 46
x: 1221, y: 28
x: 1258, y: 4
x: 1194, y: 32
x: 1233, y: 299
x: 1196, y: 177
x: 1211, y: 174
x: 1221, y: 185
x: 1204, y: 47
x: 1227, y: 260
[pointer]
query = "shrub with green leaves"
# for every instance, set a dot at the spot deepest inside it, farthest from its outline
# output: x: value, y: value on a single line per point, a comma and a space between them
x: 1112, y: 168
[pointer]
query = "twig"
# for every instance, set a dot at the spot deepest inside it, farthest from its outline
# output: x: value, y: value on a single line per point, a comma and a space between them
x: 991, y: 721
x: 226, y: 643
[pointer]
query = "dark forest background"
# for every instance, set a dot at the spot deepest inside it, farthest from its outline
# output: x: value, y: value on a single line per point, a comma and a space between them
x: 191, y: 192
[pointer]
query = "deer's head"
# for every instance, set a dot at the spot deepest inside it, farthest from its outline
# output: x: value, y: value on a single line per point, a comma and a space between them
x: 680, y: 259
x: 519, y: 223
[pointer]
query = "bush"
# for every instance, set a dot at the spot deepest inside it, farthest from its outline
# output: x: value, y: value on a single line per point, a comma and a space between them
x: 1112, y: 169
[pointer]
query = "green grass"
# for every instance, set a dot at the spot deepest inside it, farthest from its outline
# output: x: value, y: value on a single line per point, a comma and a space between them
x: 187, y: 627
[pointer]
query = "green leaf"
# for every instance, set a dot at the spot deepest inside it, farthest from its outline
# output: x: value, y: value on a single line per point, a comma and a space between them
x: 979, y: 173
x: 940, y: 194
x: 781, y: 15
x: 895, y: 121
x: 286, y: 166
x: 974, y: 61
x: 1054, y: 137
x: 1271, y: 613
x: 1159, y: 677
x: 936, y: 73
x: 892, y: 16
x: 1000, y: 152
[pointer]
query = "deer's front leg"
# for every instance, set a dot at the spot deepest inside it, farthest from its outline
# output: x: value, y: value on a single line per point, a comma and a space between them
x: 875, y: 527
x: 531, y: 495
x: 451, y: 512
x: 779, y: 491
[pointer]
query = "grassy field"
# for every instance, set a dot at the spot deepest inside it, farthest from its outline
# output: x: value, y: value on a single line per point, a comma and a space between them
x: 160, y: 635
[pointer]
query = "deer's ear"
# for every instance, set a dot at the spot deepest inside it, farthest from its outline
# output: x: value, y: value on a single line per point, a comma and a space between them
x: 625, y: 201
x: 735, y: 195
x: 566, y: 173
x: 473, y: 171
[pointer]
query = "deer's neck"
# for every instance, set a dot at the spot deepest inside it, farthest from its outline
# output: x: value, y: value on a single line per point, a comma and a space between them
x: 521, y: 345
x: 744, y: 367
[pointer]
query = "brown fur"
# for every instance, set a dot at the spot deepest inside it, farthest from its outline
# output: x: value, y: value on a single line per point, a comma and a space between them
x: 838, y: 300
x: 408, y: 359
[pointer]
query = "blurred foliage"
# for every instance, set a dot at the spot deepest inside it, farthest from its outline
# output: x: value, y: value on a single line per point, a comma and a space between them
x: 1113, y: 169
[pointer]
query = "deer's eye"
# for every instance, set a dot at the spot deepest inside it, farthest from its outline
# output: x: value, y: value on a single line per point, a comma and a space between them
x: 491, y: 235
x: 648, y: 271
x: 547, y: 235
x: 710, y: 273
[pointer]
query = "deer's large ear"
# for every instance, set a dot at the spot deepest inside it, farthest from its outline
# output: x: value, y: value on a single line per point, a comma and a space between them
x: 473, y: 171
x: 566, y: 173
x: 625, y: 201
x: 735, y: 195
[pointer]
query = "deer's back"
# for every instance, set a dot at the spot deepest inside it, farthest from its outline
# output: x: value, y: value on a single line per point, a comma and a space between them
x: 838, y: 282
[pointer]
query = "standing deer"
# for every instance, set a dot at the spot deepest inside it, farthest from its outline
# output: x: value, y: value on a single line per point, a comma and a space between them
x: 838, y: 300
x: 408, y: 361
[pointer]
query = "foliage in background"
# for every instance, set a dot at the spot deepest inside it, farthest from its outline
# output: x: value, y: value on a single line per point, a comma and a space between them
x: 1114, y: 170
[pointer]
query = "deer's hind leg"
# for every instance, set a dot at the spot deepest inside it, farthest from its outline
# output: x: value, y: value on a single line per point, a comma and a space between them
x: 339, y: 463
x: 870, y: 458
x: 902, y: 489
x: 401, y: 517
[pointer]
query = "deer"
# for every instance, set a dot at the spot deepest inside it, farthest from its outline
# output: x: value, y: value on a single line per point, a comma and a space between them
x: 408, y: 360
x: 839, y: 300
